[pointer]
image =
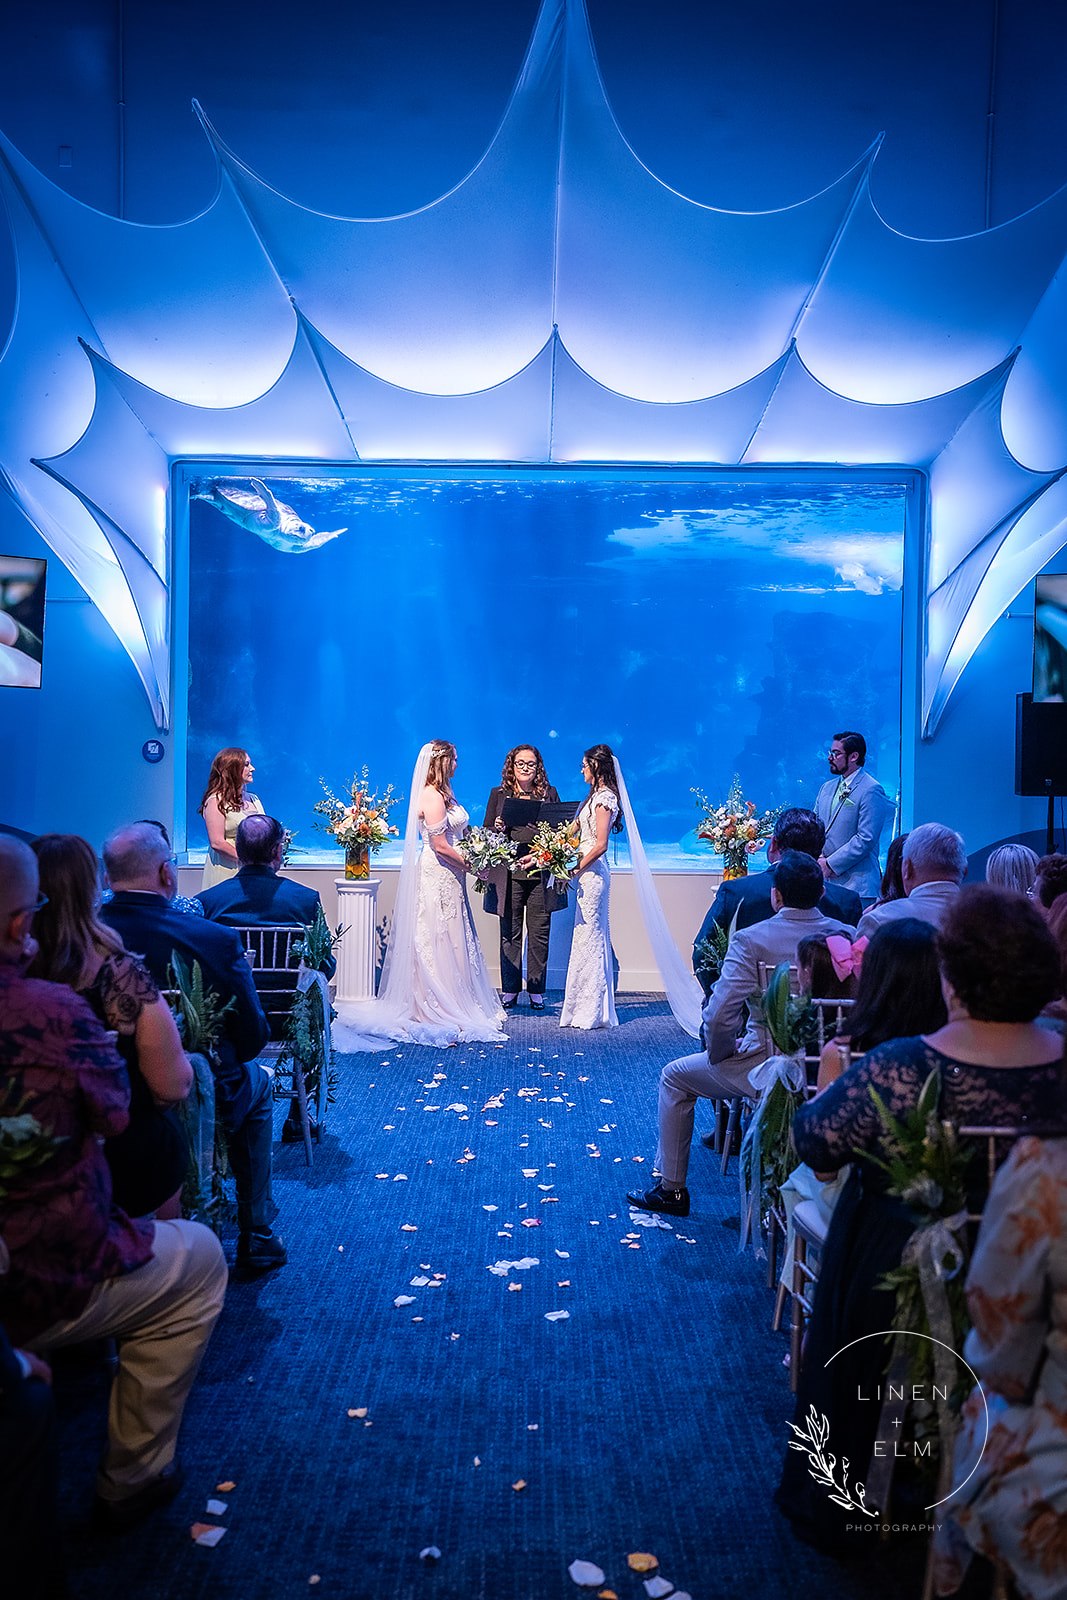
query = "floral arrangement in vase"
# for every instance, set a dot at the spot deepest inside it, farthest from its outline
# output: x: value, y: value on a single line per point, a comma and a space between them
x: 735, y: 830
x: 358, y: 820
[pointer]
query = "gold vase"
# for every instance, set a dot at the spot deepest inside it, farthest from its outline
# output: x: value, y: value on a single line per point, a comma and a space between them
x: 731, y: 872
x: 357, y: 862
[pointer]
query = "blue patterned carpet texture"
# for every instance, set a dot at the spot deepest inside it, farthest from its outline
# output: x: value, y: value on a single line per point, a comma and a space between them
x: 475, y: 1348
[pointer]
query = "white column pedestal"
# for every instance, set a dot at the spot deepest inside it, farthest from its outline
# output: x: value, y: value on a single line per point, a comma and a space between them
x: 356, y: 902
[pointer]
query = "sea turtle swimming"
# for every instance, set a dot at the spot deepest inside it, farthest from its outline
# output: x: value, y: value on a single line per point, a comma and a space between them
x: 257, y: 510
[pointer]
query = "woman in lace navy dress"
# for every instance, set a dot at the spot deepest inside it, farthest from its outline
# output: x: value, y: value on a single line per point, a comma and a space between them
x: 996, y: 1065
x: 589, y: 1000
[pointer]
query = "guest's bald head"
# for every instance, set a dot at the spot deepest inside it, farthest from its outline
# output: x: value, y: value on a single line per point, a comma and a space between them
x: 18, y: 894
x: 18, y: 875
x: 137, y: 857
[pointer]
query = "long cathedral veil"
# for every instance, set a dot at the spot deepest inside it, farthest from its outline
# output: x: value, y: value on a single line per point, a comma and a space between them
x: 365, y: 1024
x: 683, y: 991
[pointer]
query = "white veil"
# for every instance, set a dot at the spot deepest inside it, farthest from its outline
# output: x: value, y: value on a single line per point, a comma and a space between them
x: 364, y: 1024
x: 684, y: 994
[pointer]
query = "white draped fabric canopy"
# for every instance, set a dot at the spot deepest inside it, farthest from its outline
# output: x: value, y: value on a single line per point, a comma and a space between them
x: 560, y: 303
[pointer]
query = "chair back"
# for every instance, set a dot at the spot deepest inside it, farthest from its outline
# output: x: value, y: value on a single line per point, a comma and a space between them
x: 993, y: 1146
x: 274, y: 969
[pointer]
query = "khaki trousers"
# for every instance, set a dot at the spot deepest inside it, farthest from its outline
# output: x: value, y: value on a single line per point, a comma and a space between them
x: 681, y: 1084
x: 161, y: 1317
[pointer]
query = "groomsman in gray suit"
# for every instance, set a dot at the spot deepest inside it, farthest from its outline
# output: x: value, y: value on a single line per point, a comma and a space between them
x: 854, y: 809
x: 720, y: 1070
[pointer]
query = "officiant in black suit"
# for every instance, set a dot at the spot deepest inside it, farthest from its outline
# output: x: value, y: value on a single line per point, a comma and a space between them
x: 520, y: 899
x: 742, y: 901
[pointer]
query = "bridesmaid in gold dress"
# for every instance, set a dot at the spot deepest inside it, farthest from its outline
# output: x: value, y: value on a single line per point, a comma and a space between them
x: 226, y: 803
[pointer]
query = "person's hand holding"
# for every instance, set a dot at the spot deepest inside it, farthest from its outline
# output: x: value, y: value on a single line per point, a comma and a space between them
x: 17, y: 670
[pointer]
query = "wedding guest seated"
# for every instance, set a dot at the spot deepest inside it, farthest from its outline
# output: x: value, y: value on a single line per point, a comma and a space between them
x: 257, y: 896
x: 1050, y: 880
x: 1012, y: 866
x: 79, y: 1269
x: 932, y: 867
x: 149, y: 1157
x: 994, y: 1065
x: 898, y: 994
x: 739, y: 902
x: 186, y: 903
x: 892, y: 886
x: 142, y: 875
x: 721, y: 1070
x: 1011, y: 1503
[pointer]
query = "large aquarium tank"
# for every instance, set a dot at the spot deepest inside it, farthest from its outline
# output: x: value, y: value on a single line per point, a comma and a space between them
x: 704, y: 624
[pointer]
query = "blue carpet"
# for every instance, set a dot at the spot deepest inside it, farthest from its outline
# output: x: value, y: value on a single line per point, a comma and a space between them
x: 651, y: 1418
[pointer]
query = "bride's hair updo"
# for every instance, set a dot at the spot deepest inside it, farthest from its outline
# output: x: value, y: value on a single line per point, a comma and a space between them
x: 442, y: 764
x: 601, y: 761
x: 540, y: 778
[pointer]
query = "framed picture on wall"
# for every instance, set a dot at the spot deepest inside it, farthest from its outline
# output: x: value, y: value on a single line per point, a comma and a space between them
x: 22, y: 580
x: 1050, y: 638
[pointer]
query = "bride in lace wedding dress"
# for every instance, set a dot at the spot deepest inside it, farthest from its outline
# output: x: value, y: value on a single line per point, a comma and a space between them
x: 589, y: 999
x: 435, y: 988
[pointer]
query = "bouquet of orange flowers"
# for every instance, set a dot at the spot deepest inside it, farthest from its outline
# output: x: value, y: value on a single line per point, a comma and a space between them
x: 734, y: 830
x: 554, y: 851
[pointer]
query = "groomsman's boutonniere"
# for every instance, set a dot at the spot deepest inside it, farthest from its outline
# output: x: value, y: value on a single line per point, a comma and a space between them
x: 845, y: 796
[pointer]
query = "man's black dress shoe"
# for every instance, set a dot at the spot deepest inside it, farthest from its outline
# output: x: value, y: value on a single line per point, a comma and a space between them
x: 675, y: 1202
x: 115, y: 1516
x: 260, y: 1251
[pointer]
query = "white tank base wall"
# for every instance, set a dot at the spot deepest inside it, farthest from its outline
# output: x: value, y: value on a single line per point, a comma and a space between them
x: 686, y: 897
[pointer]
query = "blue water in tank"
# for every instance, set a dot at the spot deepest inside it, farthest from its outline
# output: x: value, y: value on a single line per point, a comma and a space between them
x: 701, y: 624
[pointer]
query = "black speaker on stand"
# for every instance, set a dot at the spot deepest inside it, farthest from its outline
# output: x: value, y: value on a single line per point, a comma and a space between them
x: 1041, y: 754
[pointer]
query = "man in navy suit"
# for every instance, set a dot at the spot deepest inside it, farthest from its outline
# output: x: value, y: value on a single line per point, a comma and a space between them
x: 257, y: 897
x: 740, y: 902
x: 141, y: 870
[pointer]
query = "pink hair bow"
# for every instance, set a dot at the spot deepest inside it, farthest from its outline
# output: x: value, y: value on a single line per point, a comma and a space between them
x: 846, y: 955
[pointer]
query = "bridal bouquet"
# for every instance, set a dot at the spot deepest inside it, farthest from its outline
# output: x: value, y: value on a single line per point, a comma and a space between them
x: 358, y: 819
x: 483, y: 849
x: 555, y: 850
x: 734, y: 830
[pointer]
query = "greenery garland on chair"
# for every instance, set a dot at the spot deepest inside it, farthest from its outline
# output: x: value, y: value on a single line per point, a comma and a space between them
x: 306, y: 1042
x: 768, y: 1154
x: 198, y: 1011
x: 927, y: 1170
x: 708, y: 955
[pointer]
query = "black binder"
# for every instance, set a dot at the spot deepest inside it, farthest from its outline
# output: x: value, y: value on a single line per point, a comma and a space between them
x: 528, y: 813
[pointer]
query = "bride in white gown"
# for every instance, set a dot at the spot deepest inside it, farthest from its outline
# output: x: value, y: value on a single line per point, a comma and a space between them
x: 435, y: 988
x: 589, y: 999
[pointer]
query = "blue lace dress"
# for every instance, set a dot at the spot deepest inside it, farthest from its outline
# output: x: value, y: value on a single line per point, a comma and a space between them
x: 868, y: 1231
